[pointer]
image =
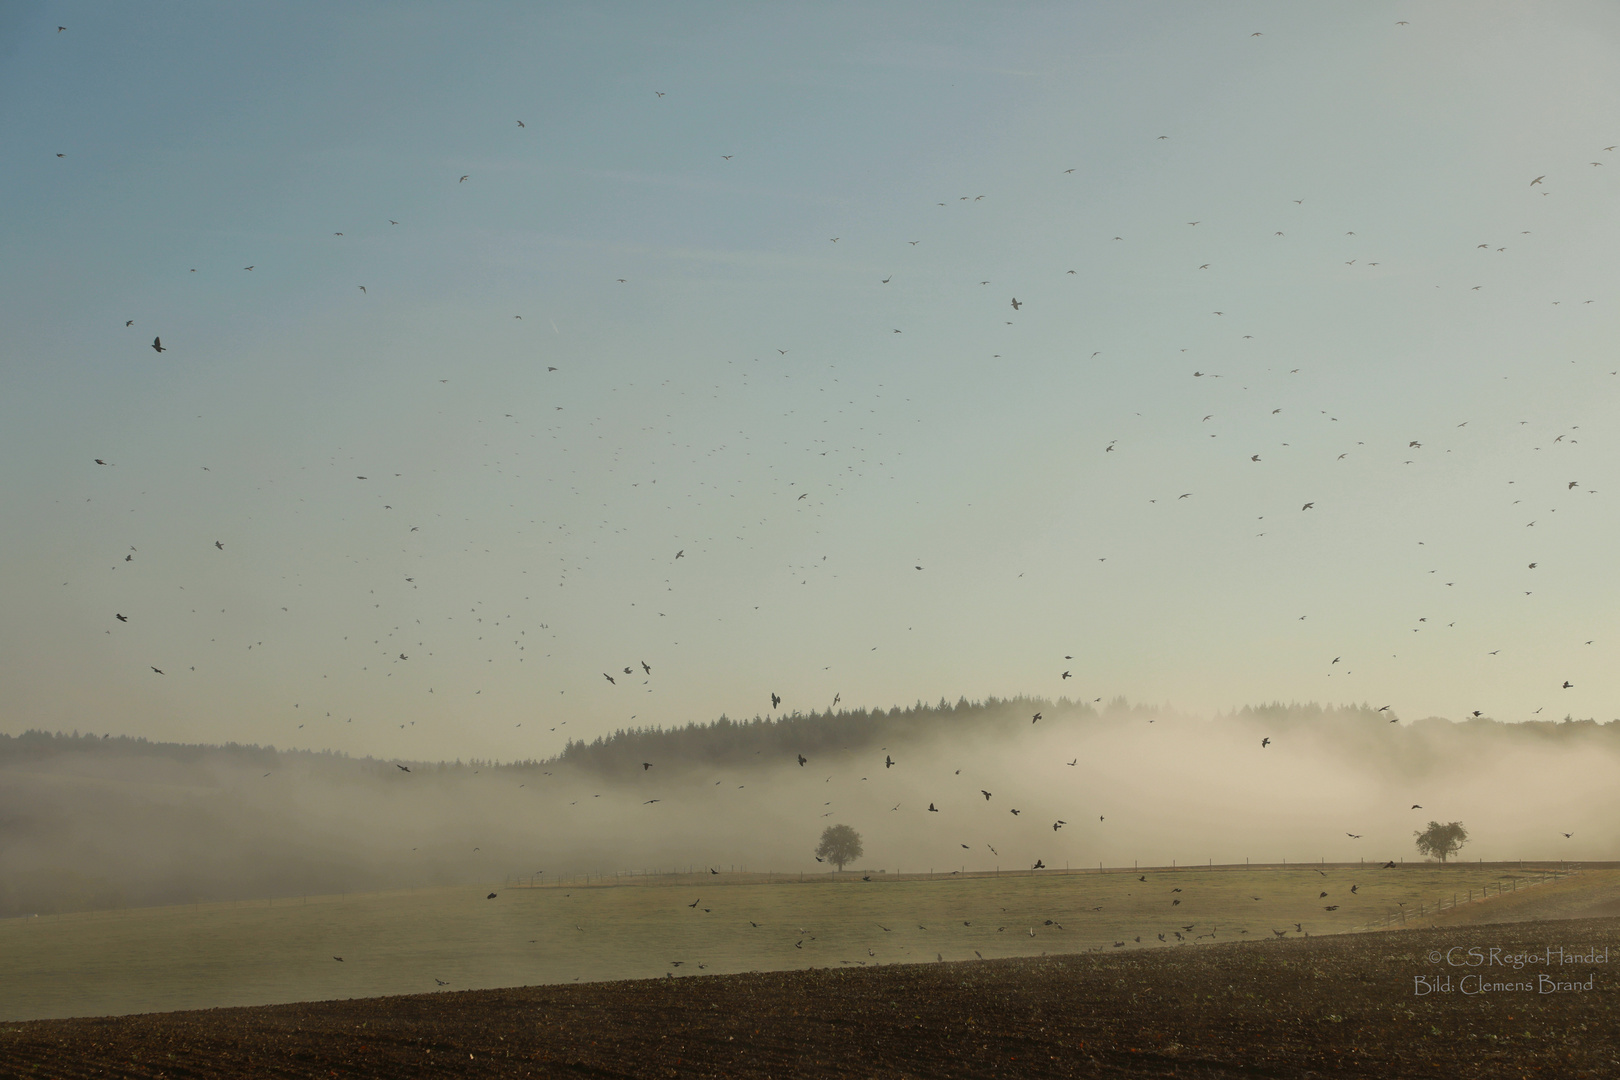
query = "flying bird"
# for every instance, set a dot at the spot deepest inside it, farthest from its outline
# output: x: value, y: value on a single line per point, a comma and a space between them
x: 158, y: 670
x: 462, y: 180
x: 1015, y: 304
x: 157, y: 343
x: 609, y: 678
x: 1265, y: 743
x: 401, y: 768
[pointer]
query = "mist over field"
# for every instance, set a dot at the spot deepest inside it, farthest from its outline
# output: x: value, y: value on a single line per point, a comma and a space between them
x: 96, y: 823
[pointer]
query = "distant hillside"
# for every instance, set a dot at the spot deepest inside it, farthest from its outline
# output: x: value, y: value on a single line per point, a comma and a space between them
x: 743, y: 742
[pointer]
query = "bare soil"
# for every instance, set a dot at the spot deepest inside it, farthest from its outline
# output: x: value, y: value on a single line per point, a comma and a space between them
x: 1340, y: 1006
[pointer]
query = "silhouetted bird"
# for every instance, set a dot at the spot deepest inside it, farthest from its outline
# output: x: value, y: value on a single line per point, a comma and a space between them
x: 775, y: 699
x: 609, y: 678
x: 1265, y: 743
x: 402, y: 768
x: 121, y: 618
x: 491, y: 896
x: 157, y: 343
x: 986, y: 795
x: 645, y: 765
x: 802, y: 760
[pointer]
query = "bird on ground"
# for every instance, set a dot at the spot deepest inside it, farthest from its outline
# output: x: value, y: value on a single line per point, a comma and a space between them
x: 157, y: 343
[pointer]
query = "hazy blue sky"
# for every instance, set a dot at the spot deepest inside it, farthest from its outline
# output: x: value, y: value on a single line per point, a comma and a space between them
x: 740, y: 285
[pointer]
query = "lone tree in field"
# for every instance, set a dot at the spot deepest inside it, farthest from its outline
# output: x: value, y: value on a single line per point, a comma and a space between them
x: 840, y: 844
x: 1441, y: 841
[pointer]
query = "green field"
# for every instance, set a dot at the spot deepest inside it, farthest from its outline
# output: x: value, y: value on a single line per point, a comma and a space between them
x: 265, y: 952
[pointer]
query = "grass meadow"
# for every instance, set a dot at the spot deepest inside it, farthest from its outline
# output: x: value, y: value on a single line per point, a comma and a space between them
x: 455, y: 938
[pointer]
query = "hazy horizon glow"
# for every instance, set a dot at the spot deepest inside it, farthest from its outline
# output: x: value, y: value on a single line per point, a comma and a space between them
x: 435, y: 546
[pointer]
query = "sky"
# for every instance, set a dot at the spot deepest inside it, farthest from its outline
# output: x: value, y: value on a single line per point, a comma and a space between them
x: 1204, y: 355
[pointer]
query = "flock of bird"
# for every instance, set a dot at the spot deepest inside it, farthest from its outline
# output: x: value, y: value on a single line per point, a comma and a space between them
x: 865, y: 450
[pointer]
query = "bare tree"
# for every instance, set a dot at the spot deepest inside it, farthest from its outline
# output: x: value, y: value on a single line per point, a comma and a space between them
x: 1441, y: 841
x: 840, y: 844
